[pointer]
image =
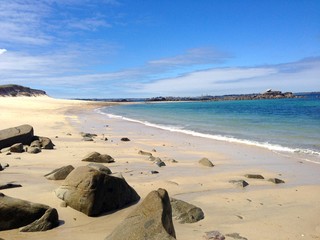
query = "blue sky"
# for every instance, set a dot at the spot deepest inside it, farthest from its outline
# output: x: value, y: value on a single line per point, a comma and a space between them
x: 145, y: 48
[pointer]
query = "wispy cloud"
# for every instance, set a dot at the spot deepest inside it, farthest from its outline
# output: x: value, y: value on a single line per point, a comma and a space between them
x: 191, y: 57
x: 2, y: 51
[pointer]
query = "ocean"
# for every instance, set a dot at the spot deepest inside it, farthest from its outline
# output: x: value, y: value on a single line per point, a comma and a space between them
x: 282, y: 125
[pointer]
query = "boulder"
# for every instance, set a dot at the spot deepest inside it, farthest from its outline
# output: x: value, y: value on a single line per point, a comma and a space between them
x: 46, y: 143
x: 21, y: 134
x: 17, y: 148
x: 185, y: 212
x: 98, y: 158
x: 93, y: 192
x: 88, y: 135
x: 100, y: 167
x: 151, y: 220
x: 206, y: 162
x: 255, y: 176
x: 9, y: 185
x: 33, y: 150
x: 48, y: 221
x: 59, y: 173
x: 16, y: 213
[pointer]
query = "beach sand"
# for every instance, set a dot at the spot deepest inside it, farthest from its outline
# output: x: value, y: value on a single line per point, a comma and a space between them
x: 262, y: 210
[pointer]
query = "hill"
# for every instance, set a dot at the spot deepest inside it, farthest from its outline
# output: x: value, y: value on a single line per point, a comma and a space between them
x: 13, y: 90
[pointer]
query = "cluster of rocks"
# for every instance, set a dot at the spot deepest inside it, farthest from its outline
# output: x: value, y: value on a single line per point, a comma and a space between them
x: 22, y: 139
x: 243, y: 183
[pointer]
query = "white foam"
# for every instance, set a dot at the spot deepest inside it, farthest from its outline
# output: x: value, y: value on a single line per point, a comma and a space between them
x: 266, y: 145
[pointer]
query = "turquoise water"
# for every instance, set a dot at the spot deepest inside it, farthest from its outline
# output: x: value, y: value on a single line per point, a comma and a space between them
x: 284, y: 125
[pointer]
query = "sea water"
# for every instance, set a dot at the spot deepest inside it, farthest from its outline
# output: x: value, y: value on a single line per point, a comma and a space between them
x: 281, y: 125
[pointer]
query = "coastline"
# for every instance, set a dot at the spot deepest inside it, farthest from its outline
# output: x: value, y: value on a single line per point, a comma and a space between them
x: 284, y: 211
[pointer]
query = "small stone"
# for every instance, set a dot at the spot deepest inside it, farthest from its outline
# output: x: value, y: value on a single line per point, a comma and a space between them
x: 214, y: 235
x: 105, y: 139
x: 255, y: 176
x: 145, y: 153
x: 206, y: 162
x: 160, y: 163
x: 125, y: 139
x: 173, y: 161
x: 240, y: 183
x: 276, y: 180
x: 236, y: 236
x: 154, y: 172
x: 9, y: 185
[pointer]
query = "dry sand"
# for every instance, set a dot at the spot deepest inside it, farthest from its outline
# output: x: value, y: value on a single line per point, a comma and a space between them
x: 262, y: 210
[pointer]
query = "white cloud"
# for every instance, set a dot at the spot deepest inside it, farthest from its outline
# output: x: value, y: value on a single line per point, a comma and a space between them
x: 2, y: 51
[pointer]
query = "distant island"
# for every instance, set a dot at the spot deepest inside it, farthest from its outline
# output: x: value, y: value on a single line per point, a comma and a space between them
x: 269, y: 94
x: 12, y: 90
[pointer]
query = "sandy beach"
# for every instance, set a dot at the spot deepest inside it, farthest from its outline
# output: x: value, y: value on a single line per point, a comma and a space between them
x: 262, y: 210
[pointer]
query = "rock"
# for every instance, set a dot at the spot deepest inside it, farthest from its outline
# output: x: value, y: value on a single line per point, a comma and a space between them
x: 46, y: 143
x: 236, y: 236
x: 154, y: 172
x: 185, y: 212
x: 151, y: 220
x: 206, y: 162
x: 35, y: 143
x: 48, y: 221
x: 1, y: 169
x: 255, y: 176
x: 33, y: 150
x: 275, y: 180
x: 21, y: 134
x: 240, y: 183
x: 4, y: 165
x: 145, y: 153
x: 17, y: 148
x: 59, y: 173
x: 100, y: 167
x: 9, y: 185
x: 173, y: 161
x: 160, y: 163
x: 97, y: 157
x: 125, y: 139
x: 93, y: 192
x: 16, y: 213
x: 88, y: 135
x: 214, y: 235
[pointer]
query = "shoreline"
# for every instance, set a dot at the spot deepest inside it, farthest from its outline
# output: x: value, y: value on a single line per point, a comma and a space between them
x: 284, y: 211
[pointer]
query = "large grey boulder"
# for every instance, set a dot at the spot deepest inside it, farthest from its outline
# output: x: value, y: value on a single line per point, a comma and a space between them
x: 59, y: 173
x: 151, y: 220
x: 16, y: 213
x: 20, y: 134
x: 93, y: 192
x: 185, y: 212
x: 98, y: 158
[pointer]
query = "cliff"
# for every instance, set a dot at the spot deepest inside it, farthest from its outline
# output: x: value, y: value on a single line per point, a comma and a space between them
x: 19, y: 91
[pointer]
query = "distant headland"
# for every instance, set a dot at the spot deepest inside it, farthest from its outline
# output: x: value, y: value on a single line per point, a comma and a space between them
x: 12, y: 90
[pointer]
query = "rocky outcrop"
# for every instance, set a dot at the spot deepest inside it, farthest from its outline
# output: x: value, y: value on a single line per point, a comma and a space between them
x: 93, y: 192
x: 59, y: 173
x: 17, y: 213
x: 19, y: 91
x: 98, y: 158
x: 21, y: 134
x: 151, y: 220
x: 185, y: 212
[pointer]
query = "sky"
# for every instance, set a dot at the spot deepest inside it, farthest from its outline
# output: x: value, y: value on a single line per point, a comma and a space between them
x: 149, y: 48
